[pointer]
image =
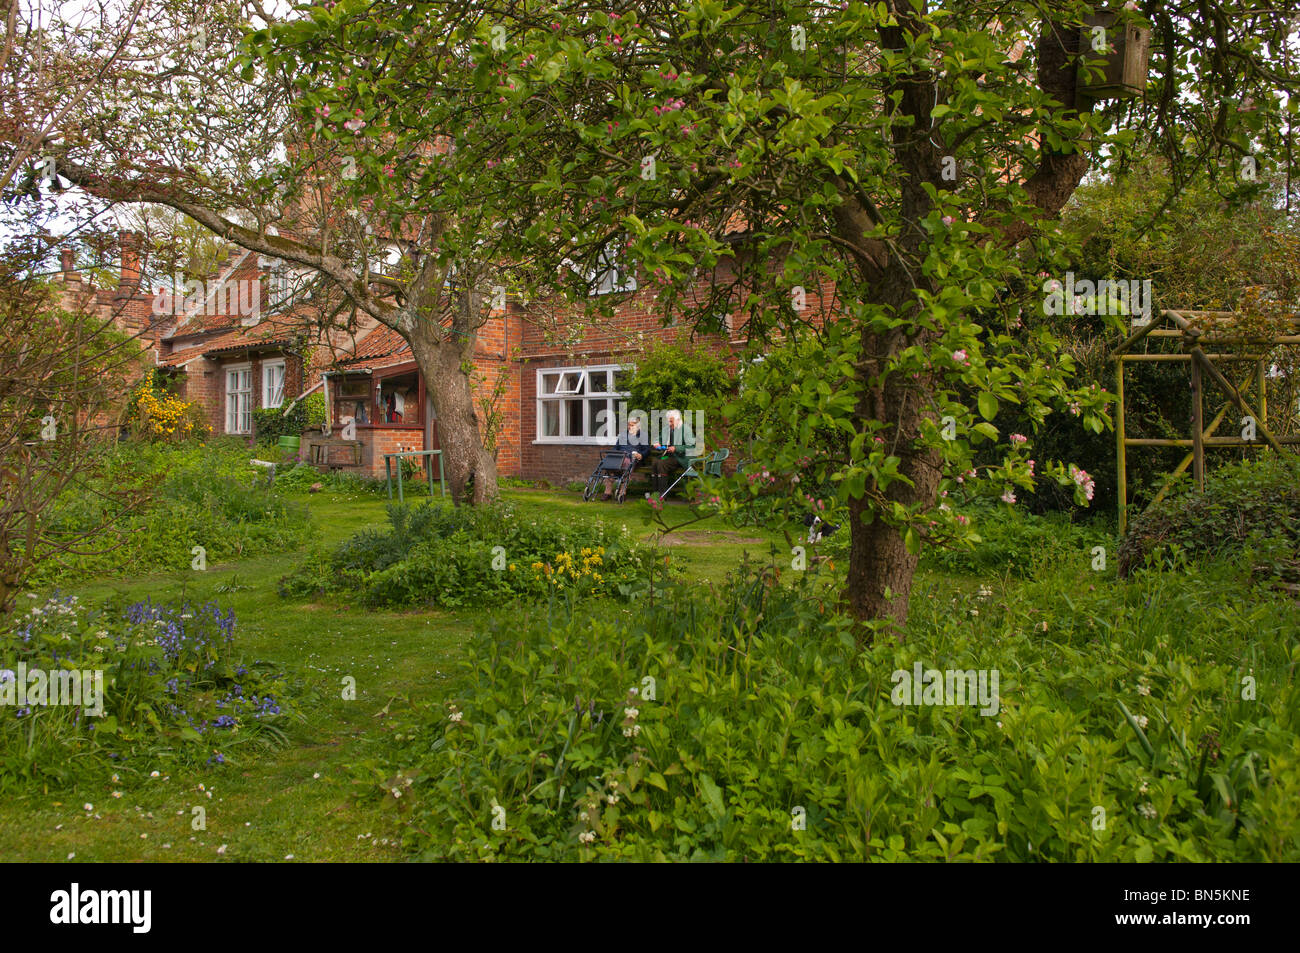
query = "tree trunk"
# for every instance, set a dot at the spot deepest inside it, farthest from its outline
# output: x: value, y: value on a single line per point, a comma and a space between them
x: 446, y: 378
x: 881, y: 570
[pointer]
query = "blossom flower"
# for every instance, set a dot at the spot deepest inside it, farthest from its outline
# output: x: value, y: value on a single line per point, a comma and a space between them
x: 1019, y: 438
x: 1009, y: 496
x: 961, y: 357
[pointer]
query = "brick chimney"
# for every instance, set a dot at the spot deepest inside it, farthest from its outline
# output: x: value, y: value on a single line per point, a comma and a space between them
x: 68, y: 265
x: 130, y: 281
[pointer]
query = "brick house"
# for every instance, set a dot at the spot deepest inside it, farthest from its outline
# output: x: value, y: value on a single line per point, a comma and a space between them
x: 244, y: 340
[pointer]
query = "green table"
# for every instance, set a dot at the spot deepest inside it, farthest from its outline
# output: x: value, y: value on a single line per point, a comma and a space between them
x: 388, y: 471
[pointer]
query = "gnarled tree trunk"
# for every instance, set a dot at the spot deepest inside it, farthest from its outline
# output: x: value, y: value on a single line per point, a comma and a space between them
x: 445, y: 363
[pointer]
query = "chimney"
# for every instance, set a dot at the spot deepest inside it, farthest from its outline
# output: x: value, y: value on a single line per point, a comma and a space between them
x: 130, y: 281
x: 68, y: 265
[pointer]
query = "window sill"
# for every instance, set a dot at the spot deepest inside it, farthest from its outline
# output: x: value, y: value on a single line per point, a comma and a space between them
x: 573, y: 442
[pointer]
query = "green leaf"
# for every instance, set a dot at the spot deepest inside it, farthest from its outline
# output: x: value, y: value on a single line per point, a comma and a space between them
x: 988, y: 405
x: 712, y: 797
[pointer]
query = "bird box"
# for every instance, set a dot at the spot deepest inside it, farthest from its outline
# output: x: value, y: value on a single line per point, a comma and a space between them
x: 1123, y: 49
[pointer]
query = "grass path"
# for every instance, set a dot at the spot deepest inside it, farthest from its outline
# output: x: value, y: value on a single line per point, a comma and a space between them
x: 298, y: 801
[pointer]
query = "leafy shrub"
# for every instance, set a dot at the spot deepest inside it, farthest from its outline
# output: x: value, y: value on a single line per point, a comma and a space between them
x: 173, y: 689
x: 302, y: 476
x: 156, y: 414
x: 1245, y: 502
x: 189, y: 496
x: 747, y: 725
x: 271, y: 424
x: 677, y: 376
x: 1021, y: 543
x: 443, y: 555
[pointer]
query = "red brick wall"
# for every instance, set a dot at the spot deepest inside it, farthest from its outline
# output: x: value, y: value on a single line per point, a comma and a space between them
x: 377, y: 441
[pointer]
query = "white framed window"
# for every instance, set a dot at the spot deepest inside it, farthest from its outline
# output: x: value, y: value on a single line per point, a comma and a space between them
x: 580, y: 404
x: 281, y: 282
x: 611, y: 275
x: 273, y: 384
x: 239, y: 399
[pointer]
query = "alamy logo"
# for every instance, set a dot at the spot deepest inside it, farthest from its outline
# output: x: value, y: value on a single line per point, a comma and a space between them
x: 1108, y: 296
x: 63, y: 686
x: 242, y: 297
x: 74, y: 906
x: 658, y: 427
x: 947, y: 687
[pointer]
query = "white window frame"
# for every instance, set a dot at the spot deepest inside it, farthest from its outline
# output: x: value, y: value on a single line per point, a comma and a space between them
x: 234, y: 417
x: 612, y: 400
x: 279, y: 285
x: 267, y: 367
x: 613, y: 278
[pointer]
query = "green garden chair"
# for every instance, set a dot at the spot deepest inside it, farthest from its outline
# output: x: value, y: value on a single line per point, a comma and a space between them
x: 698, y: 467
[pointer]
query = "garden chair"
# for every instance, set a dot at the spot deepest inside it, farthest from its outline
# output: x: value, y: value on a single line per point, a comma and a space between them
x: 699, y: 467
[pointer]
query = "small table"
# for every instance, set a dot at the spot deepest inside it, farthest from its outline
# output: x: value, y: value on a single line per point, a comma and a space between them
x: 388, y: 471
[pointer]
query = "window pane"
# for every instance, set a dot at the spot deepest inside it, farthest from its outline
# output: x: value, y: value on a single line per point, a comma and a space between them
x: 600, y: 419
x: 548, y: 383
x: 621, y: 377
x: 598, y: 382
x: 551, y: 419
x: 573, y: 418
x: 573, y: 383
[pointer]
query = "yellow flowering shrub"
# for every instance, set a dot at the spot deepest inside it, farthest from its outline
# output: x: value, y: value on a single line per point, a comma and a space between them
x: 159, y: 415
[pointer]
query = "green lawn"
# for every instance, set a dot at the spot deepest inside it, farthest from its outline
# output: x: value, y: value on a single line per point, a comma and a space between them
x: 297, y: 801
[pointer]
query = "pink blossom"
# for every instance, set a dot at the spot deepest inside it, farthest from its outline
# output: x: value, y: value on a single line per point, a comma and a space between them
x: 948, y: 219
x: 963, y: 519
x: 961, y: 357
x: 1019, y: 438
x: 1009, y: 496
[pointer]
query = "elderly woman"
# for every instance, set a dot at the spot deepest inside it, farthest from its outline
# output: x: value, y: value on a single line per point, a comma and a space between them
x: 633, y: 443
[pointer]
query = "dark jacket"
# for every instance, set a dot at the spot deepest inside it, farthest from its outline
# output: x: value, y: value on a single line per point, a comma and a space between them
x: 629, y: 442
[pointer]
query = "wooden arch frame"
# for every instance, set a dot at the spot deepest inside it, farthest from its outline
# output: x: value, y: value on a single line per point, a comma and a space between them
x: 1192, y: 329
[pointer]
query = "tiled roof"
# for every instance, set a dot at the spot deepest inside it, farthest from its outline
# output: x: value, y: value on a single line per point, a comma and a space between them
x: 273, y: 331
x: 381, y: 347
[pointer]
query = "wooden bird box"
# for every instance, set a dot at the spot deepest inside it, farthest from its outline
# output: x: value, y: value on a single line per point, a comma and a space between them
x: 1126, y: 51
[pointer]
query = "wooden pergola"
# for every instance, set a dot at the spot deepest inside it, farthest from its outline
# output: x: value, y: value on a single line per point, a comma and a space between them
x: 1215, y: 330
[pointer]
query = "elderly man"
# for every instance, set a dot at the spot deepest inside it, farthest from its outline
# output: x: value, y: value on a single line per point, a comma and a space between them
x: 674, y: 450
